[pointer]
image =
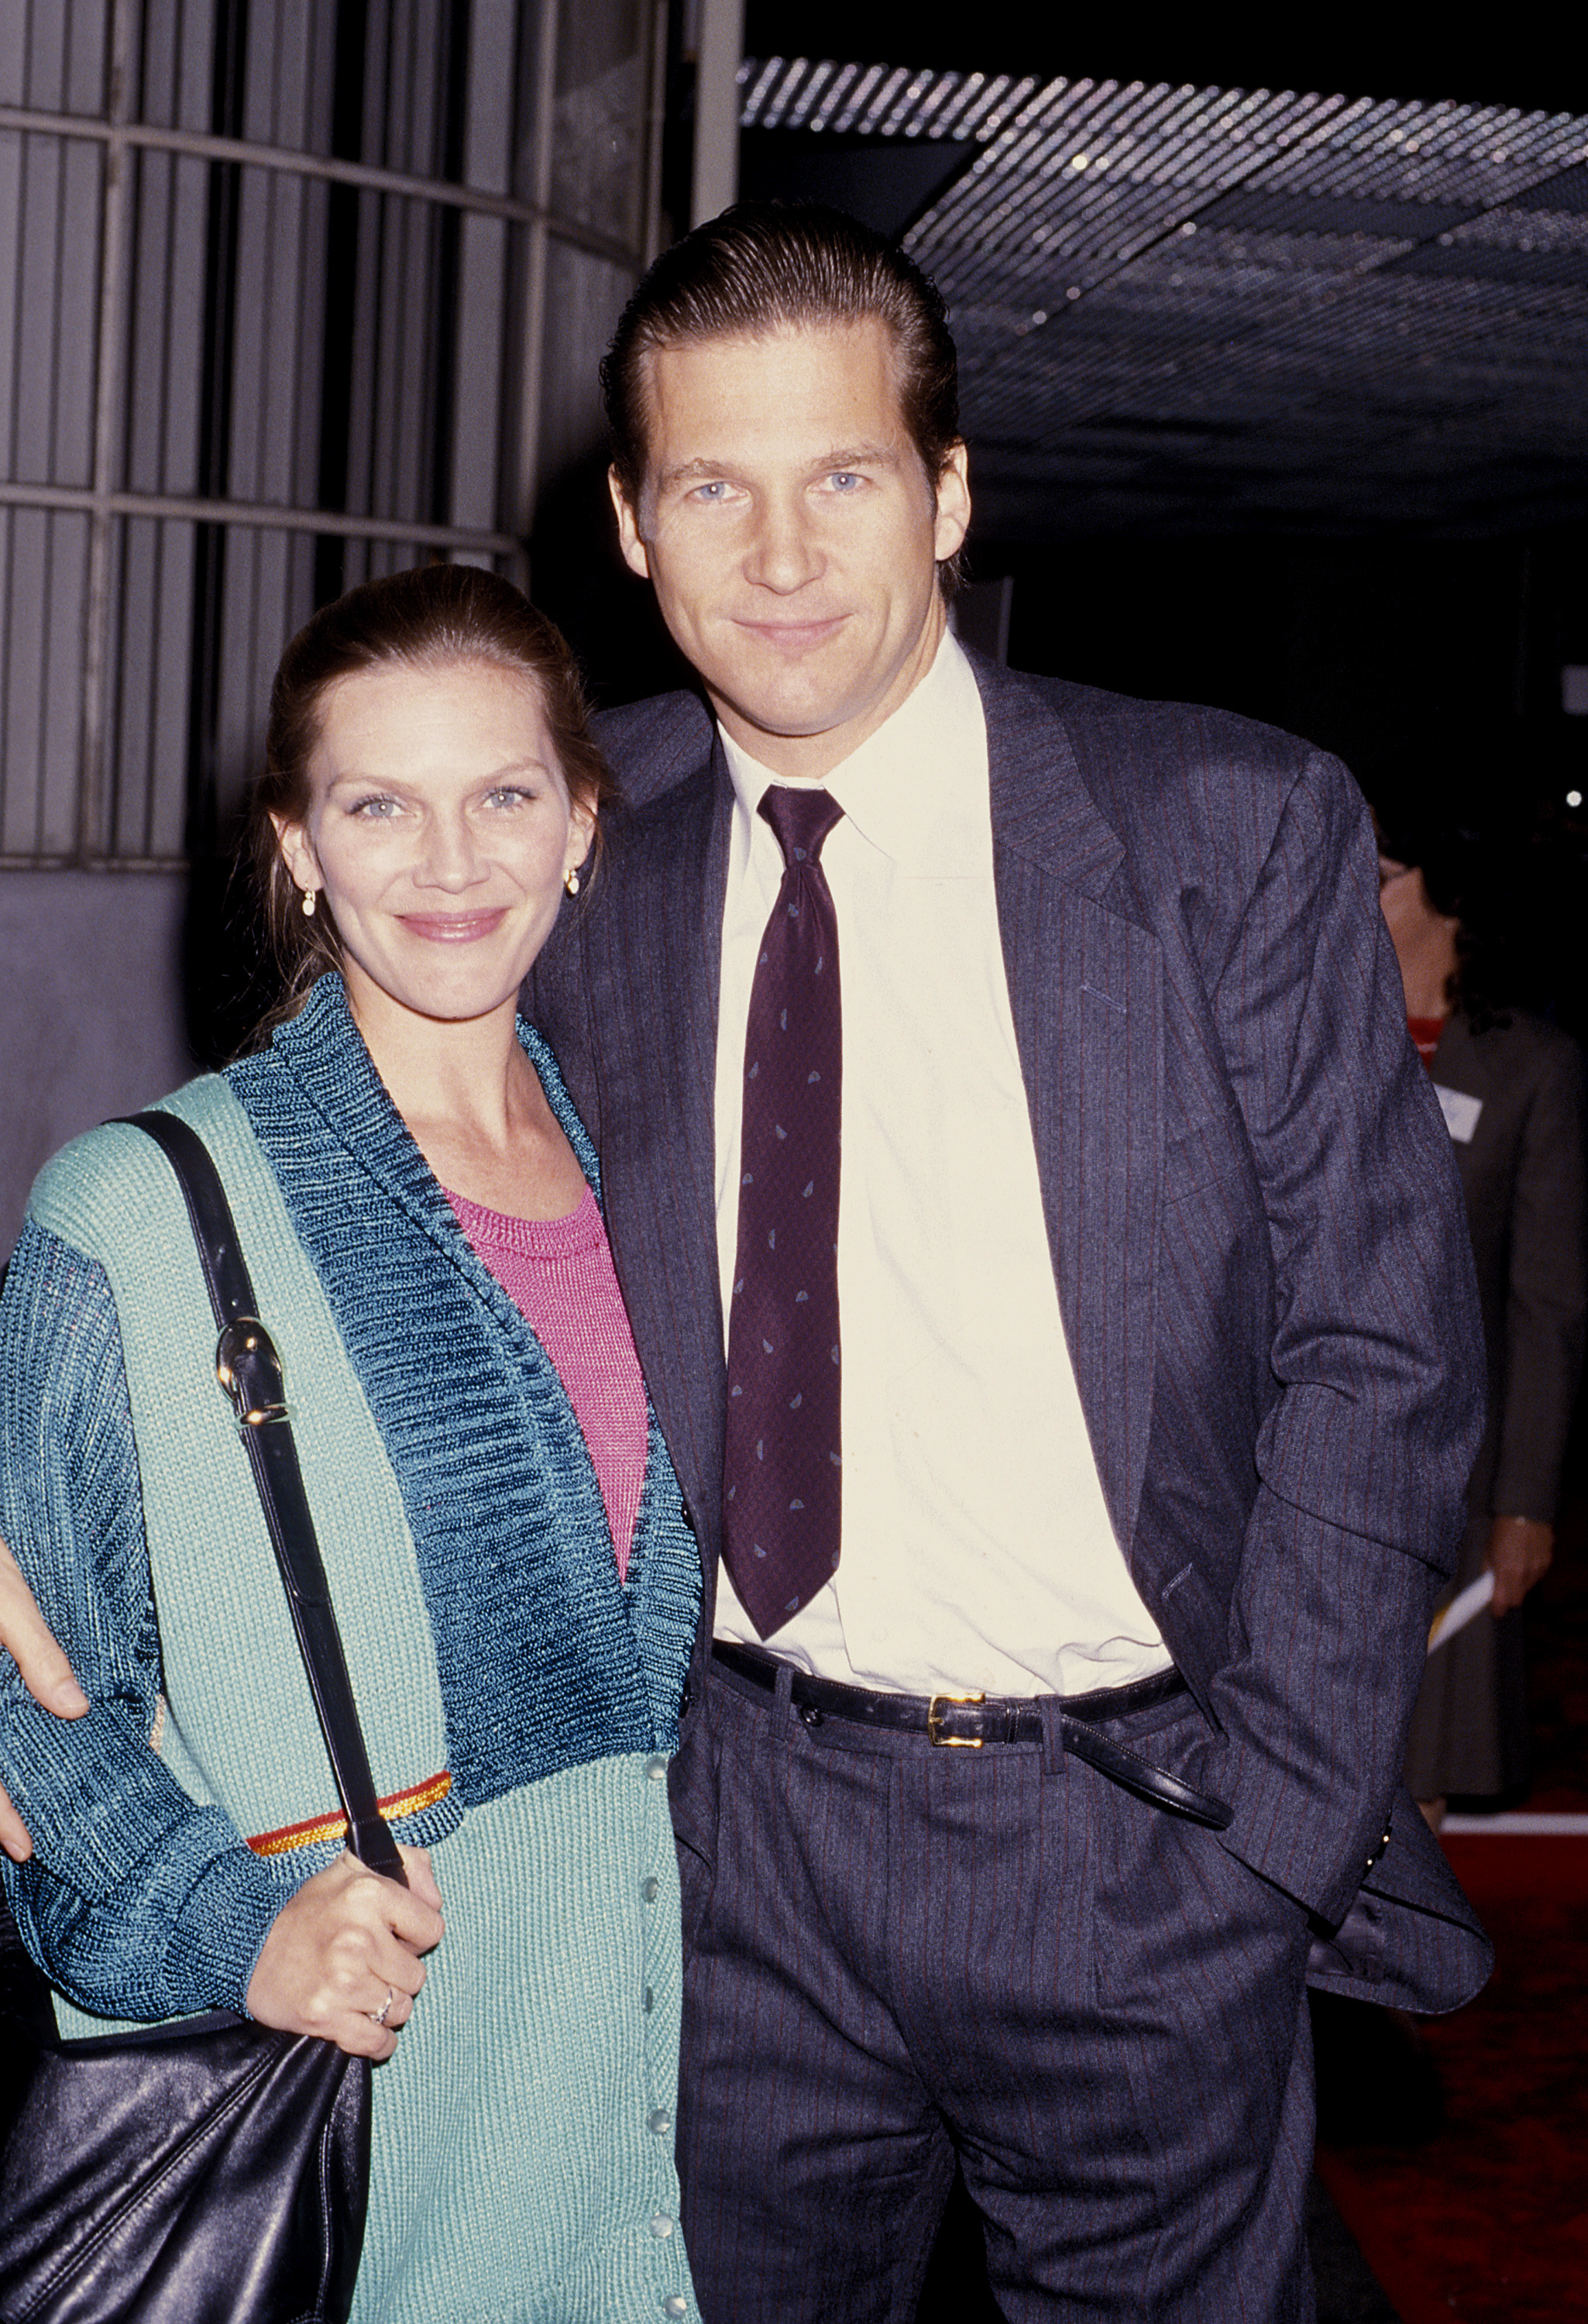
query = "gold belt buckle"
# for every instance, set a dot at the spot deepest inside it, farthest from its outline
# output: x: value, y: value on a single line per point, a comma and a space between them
x: 935, y: 1724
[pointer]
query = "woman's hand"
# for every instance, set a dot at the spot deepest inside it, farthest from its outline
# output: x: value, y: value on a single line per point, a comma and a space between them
x: 346, y: 1943
x: 45, y: 1673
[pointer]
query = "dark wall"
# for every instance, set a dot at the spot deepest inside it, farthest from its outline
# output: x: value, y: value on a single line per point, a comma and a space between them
x: 1357, y: 644
x: 1431, y: 668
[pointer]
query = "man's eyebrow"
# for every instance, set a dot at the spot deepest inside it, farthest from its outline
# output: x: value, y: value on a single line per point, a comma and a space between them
x: 686, y: 470
x: 845, y: 456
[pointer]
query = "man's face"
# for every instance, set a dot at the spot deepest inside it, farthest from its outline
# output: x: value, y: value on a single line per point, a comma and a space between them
x: 793, y: 535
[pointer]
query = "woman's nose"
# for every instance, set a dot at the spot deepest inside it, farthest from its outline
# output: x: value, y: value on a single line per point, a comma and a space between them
x: 451, y: 857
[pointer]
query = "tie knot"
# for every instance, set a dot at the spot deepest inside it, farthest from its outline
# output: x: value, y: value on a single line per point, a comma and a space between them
x: 801, y: 819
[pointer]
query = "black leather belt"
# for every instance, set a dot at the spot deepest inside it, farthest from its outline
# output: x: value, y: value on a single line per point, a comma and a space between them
x: 967, y: 1722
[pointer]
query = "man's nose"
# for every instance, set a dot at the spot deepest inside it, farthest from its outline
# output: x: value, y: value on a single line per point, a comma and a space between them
x: 784, y: 552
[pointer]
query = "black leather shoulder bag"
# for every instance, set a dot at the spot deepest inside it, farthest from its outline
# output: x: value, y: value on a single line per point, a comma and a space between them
x: 211, y: 2172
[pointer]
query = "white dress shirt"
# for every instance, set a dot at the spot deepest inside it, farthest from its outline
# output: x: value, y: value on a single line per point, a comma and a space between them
x: 976, y: 1548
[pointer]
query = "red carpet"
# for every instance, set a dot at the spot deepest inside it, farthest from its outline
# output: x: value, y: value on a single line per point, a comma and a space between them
x: 1488, y: 2219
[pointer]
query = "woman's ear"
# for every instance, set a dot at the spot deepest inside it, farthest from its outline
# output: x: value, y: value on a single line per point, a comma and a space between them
x: 581, y: 830
x: 297, y: 854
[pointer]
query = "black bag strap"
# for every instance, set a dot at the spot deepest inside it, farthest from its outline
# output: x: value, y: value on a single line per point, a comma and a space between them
x: 249, y: 1370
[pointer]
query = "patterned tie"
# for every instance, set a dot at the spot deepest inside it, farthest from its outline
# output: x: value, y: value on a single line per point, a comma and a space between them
x: 781, y: 1480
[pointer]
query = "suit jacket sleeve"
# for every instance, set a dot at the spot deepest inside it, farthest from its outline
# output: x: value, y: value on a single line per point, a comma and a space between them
x: 1361, y: 1454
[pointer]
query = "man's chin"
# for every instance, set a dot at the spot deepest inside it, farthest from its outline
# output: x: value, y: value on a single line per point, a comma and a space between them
x: 782, y: 720
x: 792, y: 712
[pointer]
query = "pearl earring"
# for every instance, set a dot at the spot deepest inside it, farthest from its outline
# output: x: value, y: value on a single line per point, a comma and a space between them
x: 571, y: 881
x: 308, y: 903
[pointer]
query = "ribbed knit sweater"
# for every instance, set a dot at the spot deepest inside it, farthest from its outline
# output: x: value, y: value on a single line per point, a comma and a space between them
x: 517, y: 1701
x: 558, y: 1273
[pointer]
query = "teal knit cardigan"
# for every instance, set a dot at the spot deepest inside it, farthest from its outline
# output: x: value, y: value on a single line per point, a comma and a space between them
x: 489, y: 1638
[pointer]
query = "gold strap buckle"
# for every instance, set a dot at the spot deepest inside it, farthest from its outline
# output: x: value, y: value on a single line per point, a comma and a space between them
x: 935, y: 1724
x: 249, y: 1370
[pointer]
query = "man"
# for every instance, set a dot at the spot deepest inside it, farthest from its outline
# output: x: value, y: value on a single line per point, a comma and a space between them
x: 1084, y: 1435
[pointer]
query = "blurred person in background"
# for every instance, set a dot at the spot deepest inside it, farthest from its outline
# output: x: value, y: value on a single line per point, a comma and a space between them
x: 1510, y: 1086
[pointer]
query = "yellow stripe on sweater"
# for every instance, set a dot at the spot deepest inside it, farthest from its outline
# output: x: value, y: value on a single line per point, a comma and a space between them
x: 411, y: 1802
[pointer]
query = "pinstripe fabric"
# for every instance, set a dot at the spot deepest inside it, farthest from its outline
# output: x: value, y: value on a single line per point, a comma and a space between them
x: 901, y: 1951
x: 1254, y: 1222
x: 1266, y: 1289
x: 632, y: 988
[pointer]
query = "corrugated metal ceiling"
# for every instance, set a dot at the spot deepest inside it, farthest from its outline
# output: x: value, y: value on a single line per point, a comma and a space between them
x: 1189, y: 308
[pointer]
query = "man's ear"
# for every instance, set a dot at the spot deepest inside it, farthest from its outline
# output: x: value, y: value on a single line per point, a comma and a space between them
x: 628, y: 529
x: 954, y: 504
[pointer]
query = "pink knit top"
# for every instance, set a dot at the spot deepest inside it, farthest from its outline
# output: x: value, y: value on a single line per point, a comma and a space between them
x: 558, y: 1273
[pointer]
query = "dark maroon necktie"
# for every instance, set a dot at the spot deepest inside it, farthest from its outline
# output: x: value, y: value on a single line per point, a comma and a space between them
x: 781, y: 1478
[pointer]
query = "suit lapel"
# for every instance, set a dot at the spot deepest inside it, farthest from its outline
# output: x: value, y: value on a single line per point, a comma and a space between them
x: 1086, y: 987
x: 653, y: 962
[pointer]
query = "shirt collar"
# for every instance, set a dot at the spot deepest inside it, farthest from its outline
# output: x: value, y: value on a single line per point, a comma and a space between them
x: 917, y: 788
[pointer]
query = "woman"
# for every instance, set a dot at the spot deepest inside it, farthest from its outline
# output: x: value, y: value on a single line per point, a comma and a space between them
x: 508, y: 1552
x: 1510, y: 1086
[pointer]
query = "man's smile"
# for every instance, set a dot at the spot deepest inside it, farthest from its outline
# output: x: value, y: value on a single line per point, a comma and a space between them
x: 792, y: 637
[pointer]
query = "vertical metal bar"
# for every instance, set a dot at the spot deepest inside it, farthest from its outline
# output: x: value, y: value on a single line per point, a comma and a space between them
x: 655, y: 132
x: 210, y: 671
x: 715, y: 182
x: 518, y: 513
x: 93, y: 836
x: 346, y: 209
x: 453, y: 58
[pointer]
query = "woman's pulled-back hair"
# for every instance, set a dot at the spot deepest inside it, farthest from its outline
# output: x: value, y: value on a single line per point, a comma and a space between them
x: 768, y: 266
x: 432, y: 618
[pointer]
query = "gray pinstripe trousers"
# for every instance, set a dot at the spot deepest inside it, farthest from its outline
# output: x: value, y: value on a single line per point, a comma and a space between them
x: 896, y: 1953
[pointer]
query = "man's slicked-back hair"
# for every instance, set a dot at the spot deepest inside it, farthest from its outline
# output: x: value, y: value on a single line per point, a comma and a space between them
x: 768, y: 266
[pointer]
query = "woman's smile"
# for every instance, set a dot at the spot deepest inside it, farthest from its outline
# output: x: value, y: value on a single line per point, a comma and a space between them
x: 454, y: 927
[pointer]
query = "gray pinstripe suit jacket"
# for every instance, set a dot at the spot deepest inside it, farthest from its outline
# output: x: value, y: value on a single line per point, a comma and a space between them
x: 1256, y: 1230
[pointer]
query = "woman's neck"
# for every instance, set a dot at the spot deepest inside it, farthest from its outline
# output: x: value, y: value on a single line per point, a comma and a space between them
x: 474, y: 1106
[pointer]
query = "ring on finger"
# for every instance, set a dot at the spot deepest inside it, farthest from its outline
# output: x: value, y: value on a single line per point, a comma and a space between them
x: 379, y: 2016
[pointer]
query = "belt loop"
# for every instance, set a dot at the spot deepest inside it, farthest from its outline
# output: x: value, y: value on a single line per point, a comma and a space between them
x: 1052, y: 1709
x: 782, y: 1711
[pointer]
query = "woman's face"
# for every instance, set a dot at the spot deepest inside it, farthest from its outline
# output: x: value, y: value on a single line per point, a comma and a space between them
x: 438, y: 831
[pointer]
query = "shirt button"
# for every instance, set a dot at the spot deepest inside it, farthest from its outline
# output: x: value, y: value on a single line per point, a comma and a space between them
x: 656, y: 1767
x: 661, y: 2225
x: 650, y: 1889
x: 675, y: 2304
x: 658, y: 2121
